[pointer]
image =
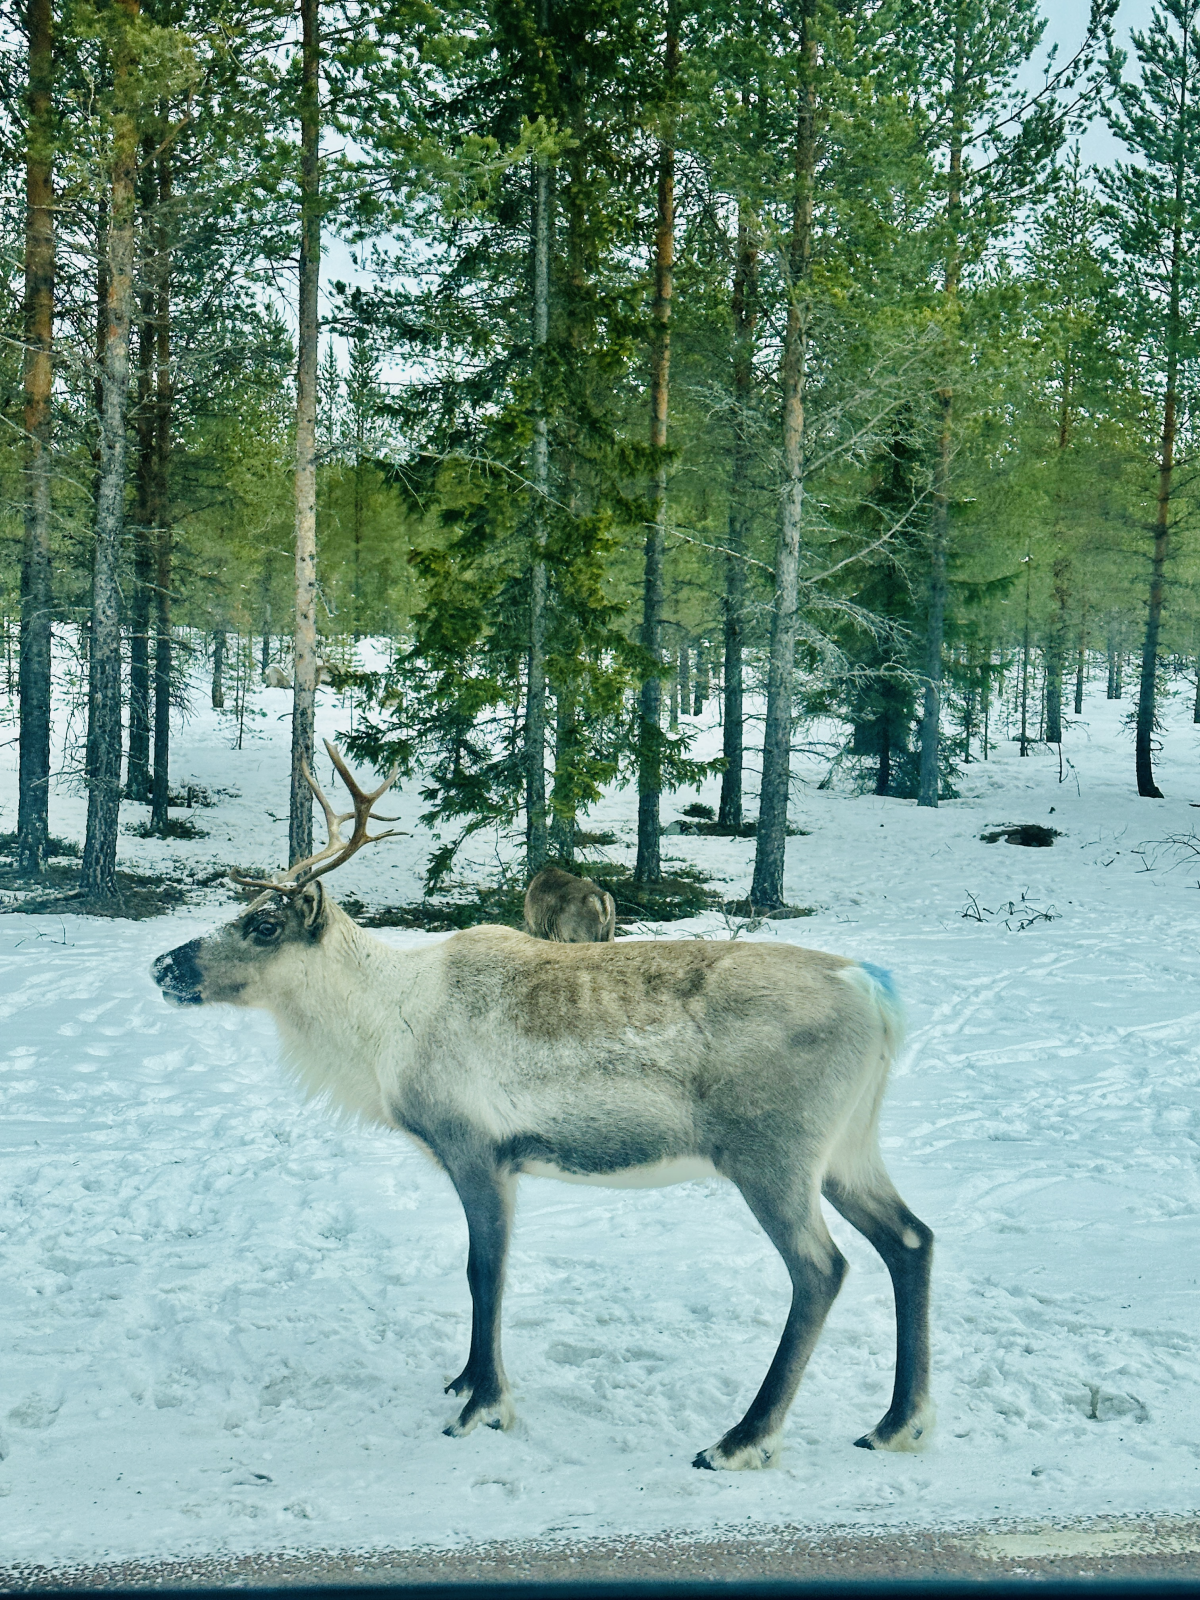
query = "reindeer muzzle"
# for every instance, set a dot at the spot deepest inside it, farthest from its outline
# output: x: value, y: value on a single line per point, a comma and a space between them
x: 178, y: 975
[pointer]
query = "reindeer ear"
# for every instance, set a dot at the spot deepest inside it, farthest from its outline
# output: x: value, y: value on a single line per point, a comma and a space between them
x: 311, y: 904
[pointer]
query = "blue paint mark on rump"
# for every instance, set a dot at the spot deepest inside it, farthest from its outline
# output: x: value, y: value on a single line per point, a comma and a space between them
x: 882, y: 977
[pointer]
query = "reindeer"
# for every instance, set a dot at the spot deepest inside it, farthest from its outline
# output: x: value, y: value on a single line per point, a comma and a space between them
x: 277, y: 677
x: 632, y: 1064
x: 572, y: 910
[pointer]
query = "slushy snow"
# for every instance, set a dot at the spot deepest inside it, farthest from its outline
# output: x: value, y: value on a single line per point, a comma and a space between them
x: 227, y: 1318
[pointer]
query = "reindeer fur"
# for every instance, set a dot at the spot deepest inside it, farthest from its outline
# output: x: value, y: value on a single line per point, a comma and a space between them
x: 603, y: 1063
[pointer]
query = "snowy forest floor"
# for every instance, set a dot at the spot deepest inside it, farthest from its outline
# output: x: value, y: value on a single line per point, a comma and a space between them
x: 226, y: 1319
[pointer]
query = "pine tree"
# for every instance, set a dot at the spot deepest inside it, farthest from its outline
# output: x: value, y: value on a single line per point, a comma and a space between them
x: 36, y: 599
x: 995, y: 144
x: 1154, y: 210
x: 98, y: 879
x: 648, y: 868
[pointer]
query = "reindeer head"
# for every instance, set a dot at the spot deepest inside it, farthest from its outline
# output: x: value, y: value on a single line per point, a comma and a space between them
x: 263, y: 951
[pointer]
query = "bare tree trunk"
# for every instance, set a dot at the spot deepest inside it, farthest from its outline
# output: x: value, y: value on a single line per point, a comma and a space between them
x: 360, y: 468
x: 160, y: 794
x: 266, y: 614
x: 648, y: 868
x: 95, y: 433
x: 986, y: 690
x: 1144, y: 746
x: 304, y: 695
x: 218, y: 669
x: 137, y: 769
x: 1147, y: 787
x: 883, y: 776
x: 939, y: 533
x: 537, y: 839
x: 766, y: 888
x: 702, y: 680
x: 1025, y: 662
x: 562, y: 822
x: 1056, y: 654
x: 160, y: 790
x: 1081, y: 664
x: 33, y: 824
x: 98, y: 878
x: 935, y: 625
x: 745, y: 320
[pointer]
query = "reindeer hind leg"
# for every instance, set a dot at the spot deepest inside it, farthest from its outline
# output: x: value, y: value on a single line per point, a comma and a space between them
x: 816, y: 1267
x: 869, y: 1202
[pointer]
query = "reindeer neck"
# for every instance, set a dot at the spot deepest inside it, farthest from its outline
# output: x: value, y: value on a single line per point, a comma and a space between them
x: 333, y: 1032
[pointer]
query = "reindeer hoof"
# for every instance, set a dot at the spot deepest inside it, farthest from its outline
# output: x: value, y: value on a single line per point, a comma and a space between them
x: 738, y: 1458
x: 910, y: 1435
x: 499, y: 1414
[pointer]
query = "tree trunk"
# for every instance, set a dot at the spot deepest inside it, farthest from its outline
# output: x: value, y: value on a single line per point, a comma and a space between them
x: 160, y: 789
x: 883, y: 776
x: 766, y: 888
x: 33, y: 824
x: 745, y: 321
x: 266, y: 614
x: 1056, y: 653
x: 939, y: 533
x: 985, y: 690
x: 562, y: 820
x: 1144, y: 745
x: 537, y: 837
x: 98, y: 878
x: 218, y: 669
x: 935, y: 625
x: 137, y: 770
x: 163, y: 535
x: 648, y: 868
x: 1081, y: 665
x: 360, y: 467
x: 700, y: 699
x: 304, y: 693
x: 1146, y: 785
x: 1025, y: 661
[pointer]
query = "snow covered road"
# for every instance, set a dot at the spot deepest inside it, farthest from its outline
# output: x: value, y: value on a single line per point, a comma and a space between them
x: 226, y: 1319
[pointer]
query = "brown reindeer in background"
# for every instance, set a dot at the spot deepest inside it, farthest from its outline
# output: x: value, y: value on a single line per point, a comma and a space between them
x: 569, y: 910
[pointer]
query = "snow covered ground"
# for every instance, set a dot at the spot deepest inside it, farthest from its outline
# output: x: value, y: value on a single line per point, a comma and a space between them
x: 226, y: 1319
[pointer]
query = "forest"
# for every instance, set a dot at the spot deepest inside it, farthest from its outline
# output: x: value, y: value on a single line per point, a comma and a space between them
x: 591, y: 364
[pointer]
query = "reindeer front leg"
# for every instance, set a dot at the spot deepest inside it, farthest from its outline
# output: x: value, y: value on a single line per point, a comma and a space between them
x: 487, y: 1195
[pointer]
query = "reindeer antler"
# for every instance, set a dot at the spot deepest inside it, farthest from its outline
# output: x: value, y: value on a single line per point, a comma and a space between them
x: 337, y: 849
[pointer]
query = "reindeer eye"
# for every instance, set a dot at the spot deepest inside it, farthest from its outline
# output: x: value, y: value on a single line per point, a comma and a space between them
x: 265, y: 932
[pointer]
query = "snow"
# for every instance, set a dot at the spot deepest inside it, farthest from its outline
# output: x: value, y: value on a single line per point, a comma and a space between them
x: 227, y: 1318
